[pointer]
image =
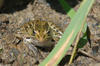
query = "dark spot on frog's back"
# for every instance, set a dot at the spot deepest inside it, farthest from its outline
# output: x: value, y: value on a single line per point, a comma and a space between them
x: 39, y: 31
x: 56, y: 30
x: 53, y: 27
x: 51, y: 24
x: 53, y: 30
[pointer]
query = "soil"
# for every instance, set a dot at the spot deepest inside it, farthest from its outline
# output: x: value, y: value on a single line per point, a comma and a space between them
x: 15, y: 13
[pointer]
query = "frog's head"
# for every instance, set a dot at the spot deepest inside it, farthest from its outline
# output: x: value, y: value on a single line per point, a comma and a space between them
x: 42, y: 31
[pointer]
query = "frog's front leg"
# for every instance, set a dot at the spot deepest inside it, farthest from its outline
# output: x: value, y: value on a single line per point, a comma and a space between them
x: 28, y: 42
x: 56, y: 38
x: 19, y: 37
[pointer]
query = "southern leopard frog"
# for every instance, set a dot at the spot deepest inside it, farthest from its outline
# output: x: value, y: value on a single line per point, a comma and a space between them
x: 39, y: 33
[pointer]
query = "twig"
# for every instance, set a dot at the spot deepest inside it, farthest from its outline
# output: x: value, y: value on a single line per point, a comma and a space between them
x: 89, y: 55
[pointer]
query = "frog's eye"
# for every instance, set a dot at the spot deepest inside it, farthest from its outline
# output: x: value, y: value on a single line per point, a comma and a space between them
x: 48, y: 33
x: 34, y: 33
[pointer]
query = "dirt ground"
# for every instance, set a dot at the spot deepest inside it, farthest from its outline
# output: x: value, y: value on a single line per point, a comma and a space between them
x: 15, y: 13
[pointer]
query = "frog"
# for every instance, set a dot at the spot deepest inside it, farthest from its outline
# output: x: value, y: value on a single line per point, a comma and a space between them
x: 39, y: 33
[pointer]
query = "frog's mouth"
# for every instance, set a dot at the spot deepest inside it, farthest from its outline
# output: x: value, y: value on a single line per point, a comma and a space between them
x: 48, y: 42
x: 41, y: 39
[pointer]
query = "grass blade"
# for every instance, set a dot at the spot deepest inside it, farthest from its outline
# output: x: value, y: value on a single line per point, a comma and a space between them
x: 69, y: 35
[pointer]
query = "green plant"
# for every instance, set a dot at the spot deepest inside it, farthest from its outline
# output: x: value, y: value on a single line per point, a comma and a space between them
x: 74, y: 28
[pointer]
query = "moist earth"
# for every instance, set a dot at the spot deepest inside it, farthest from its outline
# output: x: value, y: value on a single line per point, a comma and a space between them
x: 15, y: 13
